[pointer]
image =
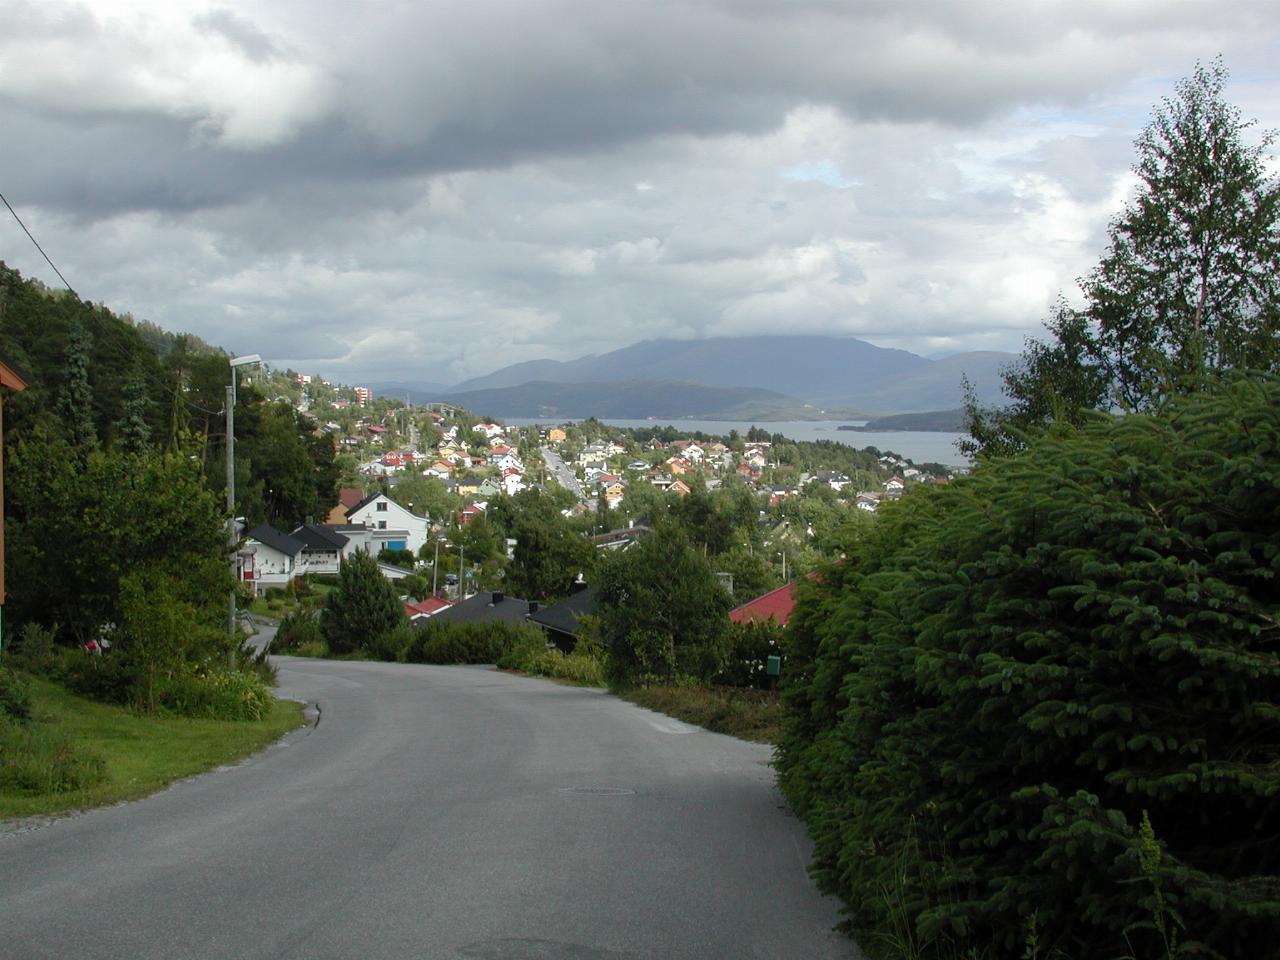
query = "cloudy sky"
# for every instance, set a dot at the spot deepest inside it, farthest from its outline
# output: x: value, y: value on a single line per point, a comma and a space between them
x: 431, y: 189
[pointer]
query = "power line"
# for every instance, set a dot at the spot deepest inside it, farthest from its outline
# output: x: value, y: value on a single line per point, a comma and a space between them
x: 38, y: 247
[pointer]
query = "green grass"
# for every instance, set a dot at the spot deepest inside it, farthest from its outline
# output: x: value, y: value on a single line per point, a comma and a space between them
x: 141, y: 754
x: 746, y: 714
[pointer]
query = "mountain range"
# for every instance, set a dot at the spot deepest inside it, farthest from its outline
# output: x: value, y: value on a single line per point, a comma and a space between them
x: 765, y: 377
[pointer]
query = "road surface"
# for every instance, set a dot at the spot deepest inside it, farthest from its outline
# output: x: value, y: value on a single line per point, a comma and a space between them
x: 449, y: 812
x: 563, y: 475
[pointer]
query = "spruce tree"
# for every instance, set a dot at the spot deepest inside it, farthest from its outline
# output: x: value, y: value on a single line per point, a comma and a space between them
x: 133, y: 433
x: 75, y: 399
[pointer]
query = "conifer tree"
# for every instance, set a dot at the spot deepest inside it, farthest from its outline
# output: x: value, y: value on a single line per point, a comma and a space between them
x: 75, y: 400
x: 132, y: 430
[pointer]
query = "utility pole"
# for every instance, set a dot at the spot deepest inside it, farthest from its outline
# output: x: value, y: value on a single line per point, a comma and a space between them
x: 462, y: 584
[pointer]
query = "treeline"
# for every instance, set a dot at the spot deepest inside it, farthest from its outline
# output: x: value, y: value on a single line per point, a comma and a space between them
x: 98, y: 379
x: 116, y: 547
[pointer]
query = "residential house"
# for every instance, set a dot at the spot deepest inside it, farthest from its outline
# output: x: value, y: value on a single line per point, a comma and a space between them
x: 269, y: 558
x: 867, y: 501
x: 427, y: 607
x: 469, y: 513
x: 469, y: 485
x: 404, y: 530
x: 776, y: 605
x: 348, y: 497
x: 489, y: 487
x: 487, y: 607
x: 893, y: 488
x: 562, y: 620
x: 834, y: 479
x: 555, y: 435
x: 322, y: 548
x: 679, y: 487
x: 490, y: 430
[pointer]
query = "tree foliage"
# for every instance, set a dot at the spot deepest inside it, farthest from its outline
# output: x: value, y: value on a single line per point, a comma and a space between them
x: 362, y: 608
x: 1189, y: 281
x: 1007, y: 674
x: 663, y: 612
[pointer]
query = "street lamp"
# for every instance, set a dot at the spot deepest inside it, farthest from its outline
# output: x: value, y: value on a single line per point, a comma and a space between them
x: 435, y: 566
x: 249, y: 359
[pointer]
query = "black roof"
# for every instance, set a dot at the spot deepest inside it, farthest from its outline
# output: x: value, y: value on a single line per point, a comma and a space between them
x: 319, y: 538
x: 563, y: 617
x: 482, y: 609
x: 273, y: 538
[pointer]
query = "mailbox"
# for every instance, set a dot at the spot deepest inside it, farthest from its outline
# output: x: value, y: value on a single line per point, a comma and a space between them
x: 773, y: 666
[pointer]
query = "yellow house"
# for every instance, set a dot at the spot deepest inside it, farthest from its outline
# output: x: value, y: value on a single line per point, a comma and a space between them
x: 555, y: 435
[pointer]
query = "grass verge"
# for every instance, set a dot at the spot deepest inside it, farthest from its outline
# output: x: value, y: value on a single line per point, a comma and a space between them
x: 141, y: 754
x: 746, y: 714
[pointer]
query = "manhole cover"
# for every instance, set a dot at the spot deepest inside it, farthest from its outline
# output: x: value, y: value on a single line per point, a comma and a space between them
x: 599, y: 791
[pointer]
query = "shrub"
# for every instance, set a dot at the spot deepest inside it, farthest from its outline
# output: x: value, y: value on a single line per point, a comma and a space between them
x: 750, y: 646
x: 33, y: 648
x: 397, y: 558
x: 213, y: 695
x: 36, y: 760
x: 523, y: 649
x: 15, y: 698
x: 437, y: 642
x: 1006, y: 675
x: 575, y: 667
x: 393, y: 644
x: 295, y: 629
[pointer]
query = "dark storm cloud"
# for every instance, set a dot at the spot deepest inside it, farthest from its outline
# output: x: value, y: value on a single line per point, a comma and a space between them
x: 434, y: 190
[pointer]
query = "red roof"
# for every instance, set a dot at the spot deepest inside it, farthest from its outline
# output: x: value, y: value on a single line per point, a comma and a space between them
x: 776, y: 605
x: 428, y: 606
x: 350, y: 496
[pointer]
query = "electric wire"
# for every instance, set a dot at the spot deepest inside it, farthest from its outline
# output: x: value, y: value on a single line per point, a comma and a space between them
x: 32, y: 238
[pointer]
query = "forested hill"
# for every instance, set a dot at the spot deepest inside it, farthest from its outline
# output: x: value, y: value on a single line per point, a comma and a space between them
x: 101, y: 380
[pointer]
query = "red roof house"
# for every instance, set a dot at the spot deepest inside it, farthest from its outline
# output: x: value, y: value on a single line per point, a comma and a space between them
x: 776, y: 605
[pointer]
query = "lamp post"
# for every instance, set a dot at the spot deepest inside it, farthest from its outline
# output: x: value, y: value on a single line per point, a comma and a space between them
x: 462, y: 583
x: 247, y: 360
x: 435, y: 567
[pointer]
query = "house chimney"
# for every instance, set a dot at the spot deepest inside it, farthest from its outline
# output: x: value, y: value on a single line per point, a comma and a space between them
x: 497, y: 598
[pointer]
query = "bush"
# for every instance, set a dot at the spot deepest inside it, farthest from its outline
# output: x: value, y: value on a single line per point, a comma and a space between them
x: 15, y: 698
x: 213, y: 695
x: 397, y: 558
x: 1008, y: 676
x: 523, y: 649
x: 414, y: 586
x: 750, y: 646
x: 295, y: 629
x: 436, y: 642
x: 574, y: 667
x: 34, y: 650
x: 393, y: 645
x: 38, y: 760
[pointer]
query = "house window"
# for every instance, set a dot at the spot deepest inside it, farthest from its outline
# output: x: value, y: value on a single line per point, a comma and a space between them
x: 382, y: 505
x: 382, y: 524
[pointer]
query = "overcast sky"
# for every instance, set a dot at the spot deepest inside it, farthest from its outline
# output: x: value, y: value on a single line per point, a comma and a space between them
x: 423, y: 190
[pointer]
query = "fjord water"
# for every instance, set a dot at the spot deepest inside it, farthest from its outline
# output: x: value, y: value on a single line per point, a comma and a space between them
x: 918, y: 446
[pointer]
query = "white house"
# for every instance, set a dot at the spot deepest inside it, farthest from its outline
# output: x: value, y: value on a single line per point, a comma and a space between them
x: 270, y: 558
x: 388, y: 519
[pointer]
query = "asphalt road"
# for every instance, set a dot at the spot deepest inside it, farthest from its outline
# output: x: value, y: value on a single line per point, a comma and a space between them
x: 560, y: 470
x: 448, y: 812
